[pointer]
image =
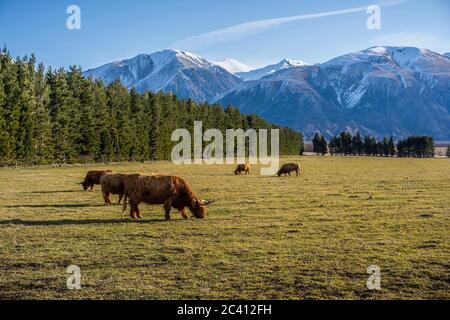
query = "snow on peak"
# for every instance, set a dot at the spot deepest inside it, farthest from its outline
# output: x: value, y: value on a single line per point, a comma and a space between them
x: 379, y: 50
x: 293, y: 63
x: 262, y: 72
x: 232, y: 65
x: 187, y: 59
x: 404, y: 56
x: 419, y: 60
x: 408, y: 58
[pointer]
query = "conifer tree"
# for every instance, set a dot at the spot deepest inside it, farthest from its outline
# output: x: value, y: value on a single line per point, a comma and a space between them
x: 103, y: 123
x: 87, y: 139
x: 42, y: 135
x: 357, y: 144
x: 4, y: 137
x: 11, y: 107
x: 391, y: 147
x: 140, y: 123
x: 316, y: 143
x: 154, y: 133
x: 346, y: 142
x: 61, y: 111
x: 323, y: 146
x: 119, y: 106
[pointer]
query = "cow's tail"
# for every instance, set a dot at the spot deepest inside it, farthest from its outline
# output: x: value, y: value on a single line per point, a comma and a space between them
x: 125, y: 201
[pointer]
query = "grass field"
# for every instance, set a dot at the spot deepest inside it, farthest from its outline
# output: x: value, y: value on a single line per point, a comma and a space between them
x: 310, y: 237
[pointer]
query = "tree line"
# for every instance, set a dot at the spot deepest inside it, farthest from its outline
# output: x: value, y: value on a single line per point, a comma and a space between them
x: 58, y: 116
x: 354, y: 144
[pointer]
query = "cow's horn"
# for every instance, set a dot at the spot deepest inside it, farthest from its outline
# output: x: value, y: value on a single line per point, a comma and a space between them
x: 206, y: 202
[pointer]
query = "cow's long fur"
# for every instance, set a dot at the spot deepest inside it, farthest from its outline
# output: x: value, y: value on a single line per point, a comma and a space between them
x: 112, y: 183
x: 288, y: 168
x: 242, y: 168
x: 171, y: 191
x: 92, y: 178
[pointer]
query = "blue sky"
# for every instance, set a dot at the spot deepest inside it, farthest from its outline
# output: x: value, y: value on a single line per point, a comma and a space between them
x: 118, y: 29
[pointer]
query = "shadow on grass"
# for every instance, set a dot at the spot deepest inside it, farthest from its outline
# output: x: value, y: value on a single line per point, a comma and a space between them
x: 62, y: 205
x: 78, y: 222
x: 55, y: 191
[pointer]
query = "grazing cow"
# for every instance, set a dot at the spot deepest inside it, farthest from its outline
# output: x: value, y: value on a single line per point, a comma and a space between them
x: 112, y: 183
x: 242, y: 168
x: 170, y: 191
x: 92, y: 178
x: 288, y: 168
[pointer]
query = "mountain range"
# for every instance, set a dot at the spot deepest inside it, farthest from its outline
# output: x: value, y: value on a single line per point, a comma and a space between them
x: 186, y: 74
x: 381, y: 91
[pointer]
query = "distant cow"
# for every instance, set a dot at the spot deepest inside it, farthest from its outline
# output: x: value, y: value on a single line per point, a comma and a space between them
x: 242, y: 168
x: 288, y: 168
x: 92, y: 178
x: 170, y: 191
x: 112, y: 183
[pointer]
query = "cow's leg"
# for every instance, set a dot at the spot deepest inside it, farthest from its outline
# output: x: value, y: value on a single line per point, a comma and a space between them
x: 183, y: 213
x: 137, y: 212
x: 92, y: 186
x: 133, y: 209
x: 289, y: 173
x: 106, y: 197
x: 167, y: 207
x: 120, y: 197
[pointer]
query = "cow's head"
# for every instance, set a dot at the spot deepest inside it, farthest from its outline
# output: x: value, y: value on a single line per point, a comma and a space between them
x: 199, y: 207
x: 85, y: 185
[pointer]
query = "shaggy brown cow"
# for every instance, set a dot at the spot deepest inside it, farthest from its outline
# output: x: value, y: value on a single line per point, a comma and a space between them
x: 92, y: 178
x: 288, y: 168
x: 170, y: 191
x: 112, y: 183
x: 242, y: 168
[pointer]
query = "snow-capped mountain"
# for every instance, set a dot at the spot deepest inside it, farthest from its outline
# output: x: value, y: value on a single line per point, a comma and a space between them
x: 262, y: 72
x: 447, y: 54
x: 382, y: 91
x: 183, y: 73
x: 397, y: 91
x: 232, y: 65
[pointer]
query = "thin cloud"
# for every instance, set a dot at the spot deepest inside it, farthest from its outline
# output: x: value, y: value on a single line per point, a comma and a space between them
x: 252, y: 27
